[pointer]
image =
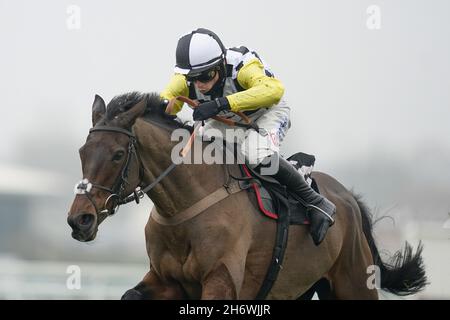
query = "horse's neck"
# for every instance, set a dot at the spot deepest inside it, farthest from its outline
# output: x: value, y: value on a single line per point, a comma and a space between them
x: 186, y: 184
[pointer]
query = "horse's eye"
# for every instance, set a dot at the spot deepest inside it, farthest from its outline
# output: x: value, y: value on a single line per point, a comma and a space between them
x: 118, y: 156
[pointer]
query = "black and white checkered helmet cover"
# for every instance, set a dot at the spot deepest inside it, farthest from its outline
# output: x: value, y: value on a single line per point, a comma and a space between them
x: 198, y: 51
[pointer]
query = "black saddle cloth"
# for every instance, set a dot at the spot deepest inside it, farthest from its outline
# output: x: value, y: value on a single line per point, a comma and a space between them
x: 273, y: 199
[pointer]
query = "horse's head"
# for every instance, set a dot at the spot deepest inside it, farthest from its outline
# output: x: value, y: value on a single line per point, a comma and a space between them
x: 110, y: 164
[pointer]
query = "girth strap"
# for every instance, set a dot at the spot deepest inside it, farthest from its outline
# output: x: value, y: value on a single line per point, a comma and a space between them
x: 198, y: 207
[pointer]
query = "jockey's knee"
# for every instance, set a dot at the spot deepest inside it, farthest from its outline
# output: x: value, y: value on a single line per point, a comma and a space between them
x: 255, y: 148
x: 254, y: 156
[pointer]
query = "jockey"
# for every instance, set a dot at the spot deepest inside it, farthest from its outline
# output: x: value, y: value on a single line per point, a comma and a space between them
x: 237, y: 79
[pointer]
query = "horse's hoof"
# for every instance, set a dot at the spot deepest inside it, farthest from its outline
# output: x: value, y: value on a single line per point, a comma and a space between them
x: 132, y: 294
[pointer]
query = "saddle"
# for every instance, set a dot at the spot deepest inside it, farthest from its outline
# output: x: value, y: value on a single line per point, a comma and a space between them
x: 278, y: 203
x: 270, y: 195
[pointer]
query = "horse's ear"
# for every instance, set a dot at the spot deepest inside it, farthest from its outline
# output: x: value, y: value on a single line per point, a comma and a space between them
x: 98, y: 109
x: 127, y: 119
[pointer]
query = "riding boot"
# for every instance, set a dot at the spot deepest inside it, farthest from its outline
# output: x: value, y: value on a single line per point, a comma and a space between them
x: 320, y: 210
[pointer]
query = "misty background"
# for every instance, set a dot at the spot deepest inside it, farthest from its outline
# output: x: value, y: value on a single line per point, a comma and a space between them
x: 372, y: 104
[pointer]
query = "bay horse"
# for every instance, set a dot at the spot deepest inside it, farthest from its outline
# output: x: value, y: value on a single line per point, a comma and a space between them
x: 224, y: 252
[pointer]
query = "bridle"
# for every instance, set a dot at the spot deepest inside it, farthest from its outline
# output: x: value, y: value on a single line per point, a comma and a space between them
x: 84, y: 187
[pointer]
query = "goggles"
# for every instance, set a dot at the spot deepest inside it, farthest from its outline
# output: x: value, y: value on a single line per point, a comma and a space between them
x: 204, y: 77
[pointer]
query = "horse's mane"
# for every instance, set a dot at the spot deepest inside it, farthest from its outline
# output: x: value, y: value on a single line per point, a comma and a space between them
x: 155, y: 110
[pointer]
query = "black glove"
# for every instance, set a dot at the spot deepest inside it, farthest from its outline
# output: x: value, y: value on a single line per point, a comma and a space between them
x: 164, y: 103
x: 209, y: 109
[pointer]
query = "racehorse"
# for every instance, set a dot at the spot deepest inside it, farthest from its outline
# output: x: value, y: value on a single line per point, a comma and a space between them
x: 225, y: 251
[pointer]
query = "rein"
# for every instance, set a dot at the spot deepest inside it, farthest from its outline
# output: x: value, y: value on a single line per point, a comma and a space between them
x: 248, y: 124
x: 84, y: 187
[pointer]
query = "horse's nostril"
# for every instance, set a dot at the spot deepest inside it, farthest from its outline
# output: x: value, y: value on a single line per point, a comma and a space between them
x: 71, y: 221
x: 81, y: 222
x: 86, y: 220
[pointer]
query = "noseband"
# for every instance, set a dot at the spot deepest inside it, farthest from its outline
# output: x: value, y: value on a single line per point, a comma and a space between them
x: 116, y: 192
x: 85, y: 186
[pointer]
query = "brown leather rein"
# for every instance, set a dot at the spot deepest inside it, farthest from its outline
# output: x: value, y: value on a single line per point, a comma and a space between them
x: 194, y: 104
x: 223, y: 192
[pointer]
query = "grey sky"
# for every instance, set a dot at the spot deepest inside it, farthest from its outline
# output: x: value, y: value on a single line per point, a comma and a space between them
x: 355, y: 93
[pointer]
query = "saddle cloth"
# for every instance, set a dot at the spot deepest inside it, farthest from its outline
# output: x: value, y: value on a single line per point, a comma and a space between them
x: 269, y: 193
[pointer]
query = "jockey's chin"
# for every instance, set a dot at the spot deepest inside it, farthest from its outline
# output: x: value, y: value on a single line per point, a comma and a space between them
x: 205, y: 87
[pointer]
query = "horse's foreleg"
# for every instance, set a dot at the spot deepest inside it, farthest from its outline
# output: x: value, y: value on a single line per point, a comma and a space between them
x: 219, y: 284
x: 153, y: 287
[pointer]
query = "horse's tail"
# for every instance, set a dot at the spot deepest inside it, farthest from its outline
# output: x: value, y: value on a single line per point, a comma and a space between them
x: 405, y: 273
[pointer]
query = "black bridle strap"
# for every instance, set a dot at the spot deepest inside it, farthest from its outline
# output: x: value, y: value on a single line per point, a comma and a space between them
x: 131, y: 149
x: 118, y: 185
x: 135, y: 196
x: 140, y: 194
x: 87, y: 194
x: 112, y: 129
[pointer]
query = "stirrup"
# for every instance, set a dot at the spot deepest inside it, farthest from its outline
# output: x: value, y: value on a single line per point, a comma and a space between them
x: 330, y: 218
